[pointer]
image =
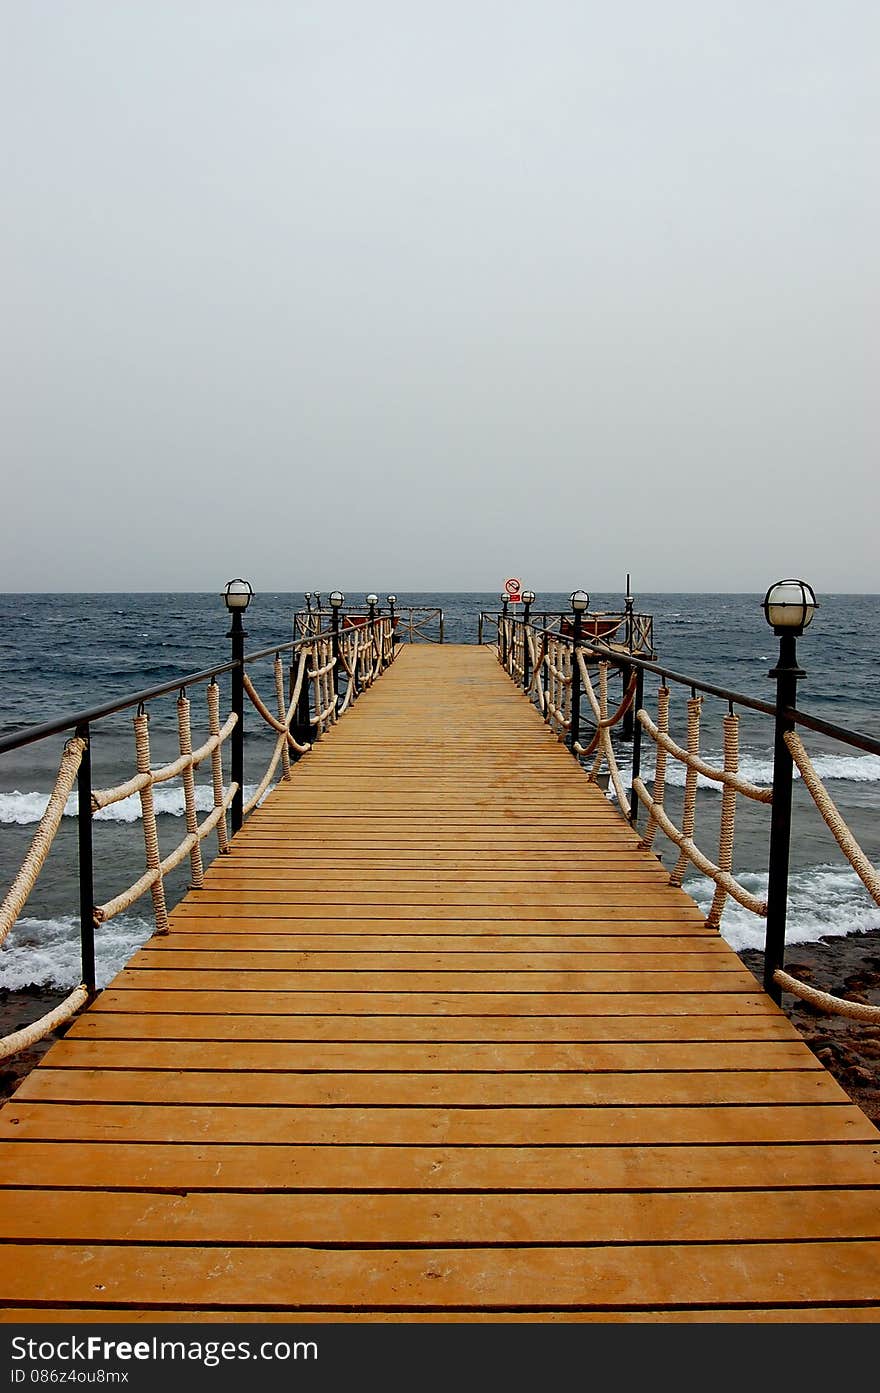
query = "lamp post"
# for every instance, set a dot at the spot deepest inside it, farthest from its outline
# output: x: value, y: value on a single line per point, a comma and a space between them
x: 337, y: 600
x: 627, y: 728
x: 528, y: 599
x: 579, y: 600
x: 237, y: 596
x: 392, y: 601
x: 788, y: 606
x: 504, y: 604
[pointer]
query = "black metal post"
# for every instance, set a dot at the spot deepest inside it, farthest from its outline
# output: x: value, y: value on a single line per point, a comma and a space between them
x: 526, y: 669
x: 237, y: 635
x: 787, y: 674
x: 480, y: 628
x: 302, y: 725
x: 372, y: 625
x: 86, y: 863
x: 575, y: 728
x: 504, y: 632
x: 638, y: 702
x: 628, y: 724
x: 334, y: 626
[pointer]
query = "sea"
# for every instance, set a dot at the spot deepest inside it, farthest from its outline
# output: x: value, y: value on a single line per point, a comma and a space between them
x: 66, y: 653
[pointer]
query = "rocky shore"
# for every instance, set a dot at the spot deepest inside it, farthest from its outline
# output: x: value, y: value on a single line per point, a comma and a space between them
x: 846, y: 966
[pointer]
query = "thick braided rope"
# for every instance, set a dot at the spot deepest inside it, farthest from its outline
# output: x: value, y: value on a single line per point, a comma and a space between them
x: 44, y: 836
x: 824, y: 1001
x: 689, y: 811
x: 348, y: 654
x: 102, y: 798
x: 734, y: 889
x: 535, y: 686
x: 662, y: 728
x: 150, y: 878
x: 837, y: 826
x: 350, y: 667
x: 281, y: 744
x: 556, y: 689
x: 184, y: 736
x: 601, y: 742
x: 728, y: 817
x: 281, y: 725
x: 718, y: 776
x: 279, y: 706
x: 38, y: 1030
x: 606, y: 746
x: 148, y: 819
x: 213, y: 698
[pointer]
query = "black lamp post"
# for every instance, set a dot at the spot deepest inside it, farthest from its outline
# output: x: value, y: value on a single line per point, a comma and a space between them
x: 528, y: 599
x: 788, y: 606
x: 579, y: 601
x: 237, y: 596
x: 627, y: 729
x: 337, y: 600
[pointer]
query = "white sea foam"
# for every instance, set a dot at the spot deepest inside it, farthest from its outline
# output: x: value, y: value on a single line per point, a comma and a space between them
x: 25, y: 808
x: 823, y: 901
x: 857, y: 769
x: 46, y: 952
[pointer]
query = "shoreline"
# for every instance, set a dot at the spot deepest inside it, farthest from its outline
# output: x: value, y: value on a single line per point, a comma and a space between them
x: 846, y: 965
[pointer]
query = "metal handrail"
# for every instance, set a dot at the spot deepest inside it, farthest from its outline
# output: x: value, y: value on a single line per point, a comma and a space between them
x: 785, y: 715
x: 31, y: 734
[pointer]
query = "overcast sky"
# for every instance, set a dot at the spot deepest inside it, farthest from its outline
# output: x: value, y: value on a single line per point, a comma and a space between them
x: 417, y: 295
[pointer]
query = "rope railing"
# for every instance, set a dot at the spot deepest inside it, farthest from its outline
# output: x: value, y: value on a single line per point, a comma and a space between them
x: 317, y: 668
x: 601, y: 743
x: 20, y: 891
x: 719, y: 872
x: 861, y: 864
x: 554, y: 658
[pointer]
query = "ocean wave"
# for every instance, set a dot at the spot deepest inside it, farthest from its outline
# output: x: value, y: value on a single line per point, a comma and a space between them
x: 25, y: 808
x: 824, y: 901
x: 46, y: 952
x: 855, y: 769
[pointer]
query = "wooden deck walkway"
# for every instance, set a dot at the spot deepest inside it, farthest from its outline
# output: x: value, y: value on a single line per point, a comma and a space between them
x: 437, y: 1041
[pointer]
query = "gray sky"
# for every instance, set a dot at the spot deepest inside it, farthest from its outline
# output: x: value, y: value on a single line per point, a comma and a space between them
x: 421, y: 295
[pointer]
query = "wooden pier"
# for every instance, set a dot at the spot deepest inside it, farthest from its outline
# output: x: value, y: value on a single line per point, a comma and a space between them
x: 437, y: 1041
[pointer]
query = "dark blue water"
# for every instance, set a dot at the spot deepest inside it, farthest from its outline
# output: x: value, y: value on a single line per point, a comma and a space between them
x: 65, y: 653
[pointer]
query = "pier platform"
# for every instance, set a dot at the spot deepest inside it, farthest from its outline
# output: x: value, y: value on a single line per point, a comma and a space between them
x: 437, y: 1041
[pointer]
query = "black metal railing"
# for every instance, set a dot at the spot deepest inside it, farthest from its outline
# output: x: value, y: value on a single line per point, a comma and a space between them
x: 410, y: 623
x: 357, y: 659
x: 512, y: 643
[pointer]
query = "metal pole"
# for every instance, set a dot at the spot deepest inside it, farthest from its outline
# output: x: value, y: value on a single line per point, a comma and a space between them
x: 575, y: 730
x: 786, y: 673
x: 504, y: 633
x: 628, y: 724
x: 526, y: 610
x: 638, y: 702
x: 480, y: 628
x: 334, y: 626
x: 86, y: 863
x: 302, y: 727
x: 237, y: 635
